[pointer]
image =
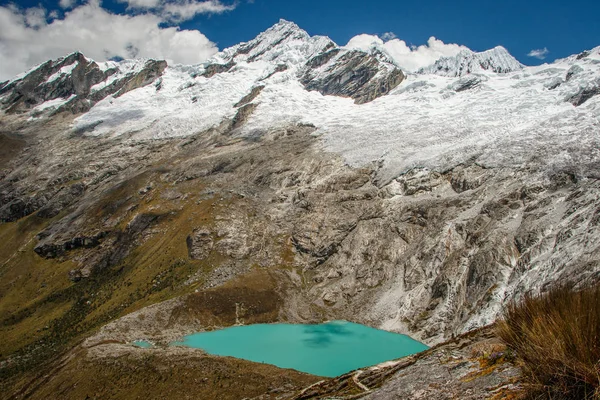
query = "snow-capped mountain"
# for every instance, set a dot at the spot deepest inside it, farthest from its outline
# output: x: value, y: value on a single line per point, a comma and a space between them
x: 418, y: 203
x: 75, y: 83
x: 283, y: 43
x: 474, y: 104
x: 496, y: 60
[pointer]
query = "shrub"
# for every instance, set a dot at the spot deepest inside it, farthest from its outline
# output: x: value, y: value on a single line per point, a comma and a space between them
x: 556, y: 337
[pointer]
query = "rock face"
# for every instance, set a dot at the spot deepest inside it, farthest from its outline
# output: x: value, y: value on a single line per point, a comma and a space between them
x: 584, y: 95
x: 75, y: 83
x: 351, y: 73
x: 199, y: 244
x: 55, y: 250
x: 496, y: 60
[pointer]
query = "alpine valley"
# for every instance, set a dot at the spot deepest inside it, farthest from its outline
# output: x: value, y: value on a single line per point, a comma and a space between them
x: 287, y: 179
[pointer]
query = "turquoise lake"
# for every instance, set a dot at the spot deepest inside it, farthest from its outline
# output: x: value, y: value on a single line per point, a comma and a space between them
x: 329, y: 349
x: 142, y: 343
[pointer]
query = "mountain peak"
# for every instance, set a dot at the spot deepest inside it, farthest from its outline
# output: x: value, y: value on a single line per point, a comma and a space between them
x: 285, y: 22
x: 284, y: 42
x: 284, y: 26
x: 497, y: 60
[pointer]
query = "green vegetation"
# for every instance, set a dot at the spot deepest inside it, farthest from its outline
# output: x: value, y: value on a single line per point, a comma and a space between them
x: 43, y: 313
x: 556, y: 337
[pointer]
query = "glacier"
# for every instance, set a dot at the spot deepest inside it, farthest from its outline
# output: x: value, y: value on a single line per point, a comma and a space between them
x: 484, y: 107
x: 427, y: 121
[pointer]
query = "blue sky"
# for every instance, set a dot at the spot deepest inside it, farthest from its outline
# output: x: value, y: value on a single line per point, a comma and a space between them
x: 190, y: 31
x: 563, y: 27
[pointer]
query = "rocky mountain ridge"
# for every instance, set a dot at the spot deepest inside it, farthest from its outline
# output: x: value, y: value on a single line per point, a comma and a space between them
x: 75, y: 83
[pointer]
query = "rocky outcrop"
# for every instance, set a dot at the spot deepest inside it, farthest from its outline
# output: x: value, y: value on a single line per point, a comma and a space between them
x: 53, y: 250
x: 351, y: 73
x: 467, y: 83
x: 199, y: 244
x: 242, y: 115
x: 584, y: 95
x: 213, y: 69
x: 250, y: 96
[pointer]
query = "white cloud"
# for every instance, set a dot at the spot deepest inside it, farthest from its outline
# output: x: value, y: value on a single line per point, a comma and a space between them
x: 188, y: 9
x: 410, y: 58
x: 539, y: 53
x: 364, y: 42
x: 35, y: 17
x: 26, y: 41
x: 179, y: 10
x: 141, y: 4
x: 388, y: 36
x: 66, y: 3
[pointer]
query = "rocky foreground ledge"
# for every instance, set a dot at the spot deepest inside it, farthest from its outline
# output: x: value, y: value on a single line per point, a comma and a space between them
x: 473, y: 366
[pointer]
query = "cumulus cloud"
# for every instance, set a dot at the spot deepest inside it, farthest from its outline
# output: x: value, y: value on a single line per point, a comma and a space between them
x: 26, y: 39
x: 35, y: 17
x: 388, y: 36
x: 410, y: 58
x: 184, y: 10
x: 66, y: 3
x: 141, y: 4
x: 364, y: 42
x: 539, y: 53
x: 179, y: 10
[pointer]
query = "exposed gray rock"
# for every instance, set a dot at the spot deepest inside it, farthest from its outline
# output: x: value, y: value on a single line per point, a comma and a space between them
x: 468, y: 177
x: 250, y: 96
x: 213, y: 69
x: 575, y: 69
x: 278, y: 68
x: 551, y: 85
x: 583, y: 54
x: 65, y: 197
x: 47, y: 82
x: 200, y: 244
x: 243, y: 114
x: 149, y: 73
x: 467, y: 83
x: 351, y: 73
x: 584, y: 95
x: 35, y: 88
x: 52, y: 250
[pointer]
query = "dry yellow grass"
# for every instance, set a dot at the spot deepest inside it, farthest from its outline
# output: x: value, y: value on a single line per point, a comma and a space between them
x: 556, y: 337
